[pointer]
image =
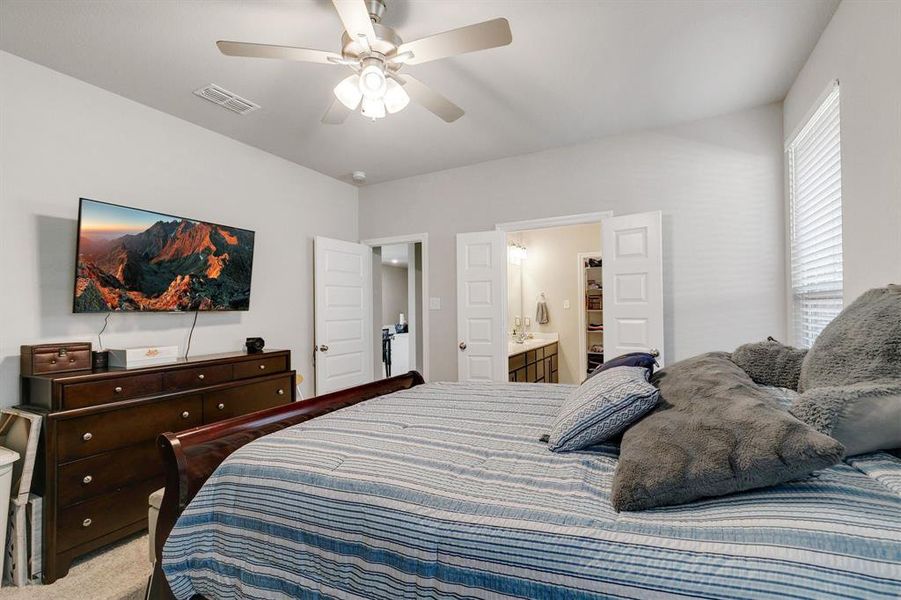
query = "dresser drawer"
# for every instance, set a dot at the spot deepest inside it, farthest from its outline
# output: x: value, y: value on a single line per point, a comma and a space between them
x: 85, y: 521
x: 260, y: 366
x: 244, y: 399
x: 80, y: 395
x: 186, y: 379
x: 85, y: 436
x: 89, y: 477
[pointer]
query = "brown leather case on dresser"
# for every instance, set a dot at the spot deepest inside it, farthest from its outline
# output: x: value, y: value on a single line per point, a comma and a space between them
x: 99, y: 460
x: 55, y: 358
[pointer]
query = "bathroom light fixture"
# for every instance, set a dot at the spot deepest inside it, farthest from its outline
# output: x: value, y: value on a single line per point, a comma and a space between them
x: 517, y: 253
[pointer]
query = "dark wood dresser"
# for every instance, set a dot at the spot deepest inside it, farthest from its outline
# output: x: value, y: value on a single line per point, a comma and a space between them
x: 98, y: 457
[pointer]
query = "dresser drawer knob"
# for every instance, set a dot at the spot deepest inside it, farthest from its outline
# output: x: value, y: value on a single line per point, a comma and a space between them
x: 201, y: 376
x: 87, y: 479
x: 262, y: 367
x: 52, y: 361
x: 281, y: 392
x: 88, y: 436
x: 185, y: 415
x: 71, y: 360
x: 118, y: 389
x: 220, y: 406
x: 86, y: 523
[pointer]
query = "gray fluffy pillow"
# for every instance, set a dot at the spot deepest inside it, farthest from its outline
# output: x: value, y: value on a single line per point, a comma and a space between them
x: 851, y: 377
x: 864, y: 417
x: 863, y: 343
x: 714, y: 432
x: 771, y: 363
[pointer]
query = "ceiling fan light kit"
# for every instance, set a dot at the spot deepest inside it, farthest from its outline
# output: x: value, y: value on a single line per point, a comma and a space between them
x: 349, y: 93
x: 373, y: 108
x: 376, y: 54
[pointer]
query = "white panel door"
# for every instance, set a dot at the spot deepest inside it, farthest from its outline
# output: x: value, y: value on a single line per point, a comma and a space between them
x: 343, y: 314
x: 633, y: 284
x: 481, y: 302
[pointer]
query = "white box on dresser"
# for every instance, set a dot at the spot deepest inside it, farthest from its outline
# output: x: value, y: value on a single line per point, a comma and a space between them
x: 144, y: 356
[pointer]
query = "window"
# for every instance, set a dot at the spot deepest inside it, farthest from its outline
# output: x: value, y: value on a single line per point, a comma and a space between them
x: 815, y: 194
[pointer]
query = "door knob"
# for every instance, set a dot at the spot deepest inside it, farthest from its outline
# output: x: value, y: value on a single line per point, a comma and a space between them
x: 654, y: 352
x: 323, y: 348
x: 462, y: 345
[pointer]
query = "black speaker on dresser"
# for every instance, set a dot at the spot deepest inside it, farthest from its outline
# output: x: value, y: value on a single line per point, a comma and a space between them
x: 254, y: 345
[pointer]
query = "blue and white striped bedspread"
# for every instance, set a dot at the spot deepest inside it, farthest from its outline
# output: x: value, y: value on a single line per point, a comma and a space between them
x: 445, y: 491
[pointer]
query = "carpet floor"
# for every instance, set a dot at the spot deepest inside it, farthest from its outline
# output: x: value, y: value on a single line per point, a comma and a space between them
x: 117, y: 572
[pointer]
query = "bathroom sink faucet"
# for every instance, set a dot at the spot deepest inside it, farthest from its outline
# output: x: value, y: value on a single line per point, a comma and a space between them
x: 519, y: 334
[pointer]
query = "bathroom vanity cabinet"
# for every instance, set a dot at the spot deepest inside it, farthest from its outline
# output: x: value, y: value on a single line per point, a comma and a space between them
x: 534, y: 365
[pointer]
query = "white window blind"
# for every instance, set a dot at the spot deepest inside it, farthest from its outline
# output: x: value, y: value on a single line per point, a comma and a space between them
x: 815, y: 193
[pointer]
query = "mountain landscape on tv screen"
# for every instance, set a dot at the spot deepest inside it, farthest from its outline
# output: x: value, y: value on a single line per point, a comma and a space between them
x: 172, y: 265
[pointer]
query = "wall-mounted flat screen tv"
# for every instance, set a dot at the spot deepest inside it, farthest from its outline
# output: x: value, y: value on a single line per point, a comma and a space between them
x: 130, y: 259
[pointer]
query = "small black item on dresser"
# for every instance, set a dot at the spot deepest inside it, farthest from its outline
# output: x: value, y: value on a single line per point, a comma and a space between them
x: 254, y: 344
x: 99, y: 360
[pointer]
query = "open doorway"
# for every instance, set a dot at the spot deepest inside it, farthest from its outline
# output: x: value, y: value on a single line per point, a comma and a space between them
x: 554, y: 303
x: 631, y: 309
x: 400, y: 316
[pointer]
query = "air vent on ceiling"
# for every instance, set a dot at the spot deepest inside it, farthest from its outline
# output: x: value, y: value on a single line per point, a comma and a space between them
x: 227, y: 99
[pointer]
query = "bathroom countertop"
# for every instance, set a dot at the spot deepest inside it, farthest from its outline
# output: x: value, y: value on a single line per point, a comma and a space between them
x: 514, y: 348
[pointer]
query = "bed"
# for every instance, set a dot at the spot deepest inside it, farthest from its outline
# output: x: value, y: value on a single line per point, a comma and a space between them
x: 445, y: 490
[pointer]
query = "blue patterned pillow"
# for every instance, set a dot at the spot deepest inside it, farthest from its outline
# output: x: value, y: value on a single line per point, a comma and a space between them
x: 602, y: 407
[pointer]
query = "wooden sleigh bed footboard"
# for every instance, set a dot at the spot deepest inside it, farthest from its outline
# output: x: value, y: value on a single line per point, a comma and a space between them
x: 191, y: 456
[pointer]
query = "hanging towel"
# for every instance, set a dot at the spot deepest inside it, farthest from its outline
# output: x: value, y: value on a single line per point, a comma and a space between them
x: 542, y: 317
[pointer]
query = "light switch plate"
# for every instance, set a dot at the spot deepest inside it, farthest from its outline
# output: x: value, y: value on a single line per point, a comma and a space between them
x: 434, y: 303
x: 566, y: 305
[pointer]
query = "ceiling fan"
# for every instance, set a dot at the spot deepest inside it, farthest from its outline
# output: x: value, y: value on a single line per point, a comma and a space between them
x: 376, y: 54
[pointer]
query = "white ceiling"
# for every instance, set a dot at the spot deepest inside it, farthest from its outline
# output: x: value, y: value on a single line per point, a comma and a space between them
x: 576, y: 70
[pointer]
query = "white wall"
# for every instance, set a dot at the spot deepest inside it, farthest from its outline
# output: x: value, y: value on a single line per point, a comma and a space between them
x: 861, y: 48
x: 61, y: 138
x: 717, y: 181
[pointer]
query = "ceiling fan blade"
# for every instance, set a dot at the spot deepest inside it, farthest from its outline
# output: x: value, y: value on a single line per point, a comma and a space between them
x: 355, y: 17
x: 400, y: 59
x: 429, y: 98
x: 285, y: 52
x: 336, y: 113
x: 481, y: 36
